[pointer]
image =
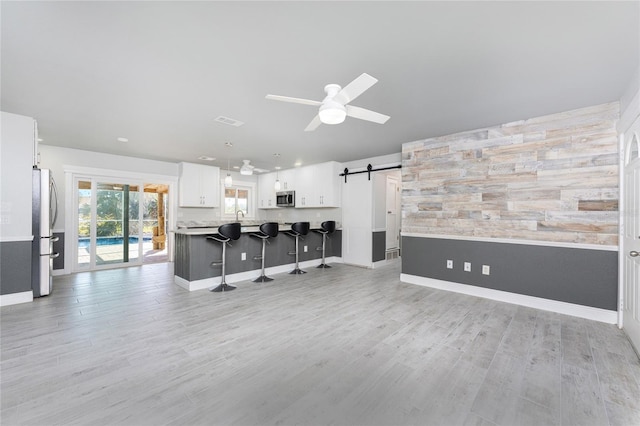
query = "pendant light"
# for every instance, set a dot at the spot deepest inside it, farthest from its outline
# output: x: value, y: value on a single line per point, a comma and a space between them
x: 228, y: 181
x: 276, y: 186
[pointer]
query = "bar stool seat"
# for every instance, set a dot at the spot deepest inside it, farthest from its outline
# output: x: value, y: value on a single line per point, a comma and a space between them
x: 227, y: 232
x: 267, y: 230
x: 326, y: 228
x: 298, y: 230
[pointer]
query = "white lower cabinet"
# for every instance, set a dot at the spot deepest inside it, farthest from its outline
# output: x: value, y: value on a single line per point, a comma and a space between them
x: 199, y: 186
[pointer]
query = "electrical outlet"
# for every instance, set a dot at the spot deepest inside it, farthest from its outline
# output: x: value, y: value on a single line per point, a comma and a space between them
x: 243, y: 256
x: 305, y: 249
x: 449, y: 264
x: 467, y: 266
x: 486, y: 269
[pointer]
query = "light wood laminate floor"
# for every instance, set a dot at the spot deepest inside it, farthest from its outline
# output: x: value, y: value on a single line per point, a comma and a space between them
x: 344, y: 346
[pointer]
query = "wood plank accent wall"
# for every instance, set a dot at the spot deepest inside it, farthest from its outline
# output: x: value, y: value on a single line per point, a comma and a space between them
x: 552, y: 178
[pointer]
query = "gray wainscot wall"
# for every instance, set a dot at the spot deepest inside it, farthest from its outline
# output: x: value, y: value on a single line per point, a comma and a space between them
x: 15, y: 272
x: 585, y: 277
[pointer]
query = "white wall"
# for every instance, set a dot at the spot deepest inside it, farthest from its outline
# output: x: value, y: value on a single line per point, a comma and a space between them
x: 291, y: 215
x: 630, y: 103
x: 56, y: 158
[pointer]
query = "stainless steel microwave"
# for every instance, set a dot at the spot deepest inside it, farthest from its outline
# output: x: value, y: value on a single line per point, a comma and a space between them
x: 286, y: 199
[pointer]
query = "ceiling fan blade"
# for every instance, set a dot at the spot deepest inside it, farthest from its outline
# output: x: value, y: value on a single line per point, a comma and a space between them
x: 294, y: 100
x: 314, y: 124
x: 365, y: 114
x: 355, y: 88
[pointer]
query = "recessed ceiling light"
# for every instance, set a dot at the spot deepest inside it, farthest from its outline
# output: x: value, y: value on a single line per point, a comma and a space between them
x: 236, y: 167
x: 122, y: 139
x: 278, y: 167
x: 40, y: 140
x: 298, y: 163
x: 205, y: 158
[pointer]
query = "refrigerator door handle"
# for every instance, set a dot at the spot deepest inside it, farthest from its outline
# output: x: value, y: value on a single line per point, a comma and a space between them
x: 54, y: 201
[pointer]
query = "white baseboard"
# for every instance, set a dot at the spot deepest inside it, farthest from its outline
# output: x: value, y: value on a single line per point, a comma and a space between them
x: 248, y: 275
x: 15, y: 298
x: 587, y: 312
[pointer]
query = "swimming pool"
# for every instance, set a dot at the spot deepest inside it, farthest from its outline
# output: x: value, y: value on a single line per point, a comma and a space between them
x: 111, y: 241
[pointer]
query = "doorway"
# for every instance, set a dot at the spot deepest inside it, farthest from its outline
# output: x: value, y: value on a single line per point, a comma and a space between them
x: 630, y: 248
x: 393, y: 208
x: 119, y: 223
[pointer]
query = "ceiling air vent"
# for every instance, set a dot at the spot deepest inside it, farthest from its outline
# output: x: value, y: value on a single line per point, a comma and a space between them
x: 229, y: 121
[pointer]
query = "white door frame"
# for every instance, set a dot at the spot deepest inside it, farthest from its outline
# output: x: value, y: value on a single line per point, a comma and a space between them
x: 396, y: 208
x: 71, y: 172
x: 629, y: 290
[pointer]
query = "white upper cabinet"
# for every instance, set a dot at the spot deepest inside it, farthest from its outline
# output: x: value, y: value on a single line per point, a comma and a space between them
x: 318, y: 185
x: 199, y: 186
x: 266, y: 191
x: 288, y: 179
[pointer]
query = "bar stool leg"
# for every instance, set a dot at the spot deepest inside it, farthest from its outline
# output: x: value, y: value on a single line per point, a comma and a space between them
x: 223, y: 286
x: 324, y: 240
x: 263, y: 278
x: 297, y: 270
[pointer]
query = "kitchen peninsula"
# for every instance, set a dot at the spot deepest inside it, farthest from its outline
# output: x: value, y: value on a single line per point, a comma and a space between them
x: 194, y: 254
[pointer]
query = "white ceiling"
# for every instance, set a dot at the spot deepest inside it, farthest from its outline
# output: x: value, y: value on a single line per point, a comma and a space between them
x: 159, y: 73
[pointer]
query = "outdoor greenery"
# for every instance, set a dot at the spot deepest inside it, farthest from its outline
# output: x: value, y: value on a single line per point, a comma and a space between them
x: 109, y: 209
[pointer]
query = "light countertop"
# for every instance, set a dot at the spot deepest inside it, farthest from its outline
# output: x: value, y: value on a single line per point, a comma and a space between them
x: 245, y: 229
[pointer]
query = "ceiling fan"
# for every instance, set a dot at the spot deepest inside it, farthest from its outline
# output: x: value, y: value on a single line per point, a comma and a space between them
x: 334, y: 108
x: 248, y: 169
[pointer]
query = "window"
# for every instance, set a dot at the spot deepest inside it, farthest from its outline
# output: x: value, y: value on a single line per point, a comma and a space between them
x: 239, y: 197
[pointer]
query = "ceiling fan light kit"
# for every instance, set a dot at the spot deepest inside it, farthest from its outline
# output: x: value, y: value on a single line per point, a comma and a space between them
x: 334, y: 109
x: 332, y: 112
x: 246, y: 168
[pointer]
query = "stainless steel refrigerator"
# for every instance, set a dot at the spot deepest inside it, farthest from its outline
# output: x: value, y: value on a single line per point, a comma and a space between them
x: 44, y: 215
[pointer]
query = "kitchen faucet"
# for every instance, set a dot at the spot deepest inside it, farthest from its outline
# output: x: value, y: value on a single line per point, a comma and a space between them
x: 239, y: 211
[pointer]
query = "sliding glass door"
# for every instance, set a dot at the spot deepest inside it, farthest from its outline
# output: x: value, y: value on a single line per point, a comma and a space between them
x: 109, y: 223
x: 119, y: 223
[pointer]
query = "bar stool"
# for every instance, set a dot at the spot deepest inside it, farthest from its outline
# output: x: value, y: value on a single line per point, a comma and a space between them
x: 298, y: 230
x: 328, y: 227
x: 227, y: 232
x: 267, y: 230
